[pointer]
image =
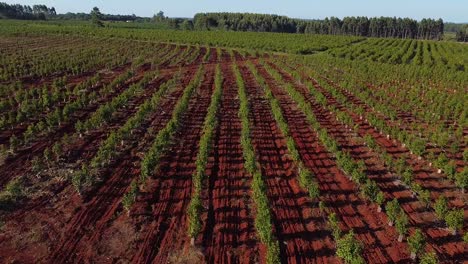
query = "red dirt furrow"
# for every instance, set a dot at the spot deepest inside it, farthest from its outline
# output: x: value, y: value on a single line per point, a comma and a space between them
x: 167, y: 195
x: 229, y: 234
x: 100, y: 210
x: 213, y: 56
x: 419, y: 216
x: 199, y: 59
x: 238, y: 56
x: 336, y: 189
x: 225, y: 56
x: 292, y: 212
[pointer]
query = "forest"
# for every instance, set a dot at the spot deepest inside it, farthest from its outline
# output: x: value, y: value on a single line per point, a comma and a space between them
x: 26, y: 12
x: 386, y: 27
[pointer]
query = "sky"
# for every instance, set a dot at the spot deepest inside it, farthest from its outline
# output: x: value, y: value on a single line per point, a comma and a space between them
x: 448, y: 10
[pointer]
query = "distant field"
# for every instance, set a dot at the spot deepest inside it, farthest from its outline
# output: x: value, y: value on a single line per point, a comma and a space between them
x: 156, y: 146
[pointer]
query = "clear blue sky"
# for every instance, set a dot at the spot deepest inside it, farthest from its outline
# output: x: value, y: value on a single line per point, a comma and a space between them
x: 449, y: 10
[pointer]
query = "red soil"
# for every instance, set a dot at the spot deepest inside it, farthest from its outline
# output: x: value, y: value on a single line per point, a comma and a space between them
x: 302, y: 238
x: 213, y: 56
x: 228, y: 235
x: 167, y: 195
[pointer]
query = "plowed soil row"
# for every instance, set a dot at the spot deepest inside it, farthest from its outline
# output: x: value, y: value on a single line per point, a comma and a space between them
x: 338, y: 192
x: 228, y: 235
x: 301, y: 239
x: 450, y: 248
x: 162, y: 207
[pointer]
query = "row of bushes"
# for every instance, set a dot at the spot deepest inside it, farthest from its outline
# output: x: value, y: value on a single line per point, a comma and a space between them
x: 306, y: 177
x: 165, y: 135
x: 263, y: 219
x: 205, y: 146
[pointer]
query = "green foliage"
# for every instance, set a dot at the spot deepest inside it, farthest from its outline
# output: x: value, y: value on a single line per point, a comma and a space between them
x: 334, y: 226
x: 380, y: 199
x: 195, y: 206
x: 402, y: 224
x: 349, y: 249
x: 429, y: 258
x: 12, y: 191
x: 130, y: 197
x: 263, y: 222
x: 417, y: 242
x: 96, y: 17
x: 80, y: 177
x: 164, y: 136
x: 441, y: 207
x: 450, y: 170
x: 370, y: 190
x: 57, y: 151
x: 407, y: 176
x: 393, y: 210
x: 454, y: 219
x: 461, y: 179
x: 37, y: 164
x: 425, y: 197
x: 14, y: 142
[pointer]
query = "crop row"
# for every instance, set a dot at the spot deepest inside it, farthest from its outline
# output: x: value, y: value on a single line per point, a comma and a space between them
x: 164, y: 136
x: 205, y: 146
x: 394, y: 51
x: 263, y: 219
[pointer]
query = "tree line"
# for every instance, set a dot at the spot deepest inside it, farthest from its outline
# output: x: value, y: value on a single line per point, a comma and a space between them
x: 17, y: 11
x: 357, y: 26
x: 42, y: 12
x: 462, y: 34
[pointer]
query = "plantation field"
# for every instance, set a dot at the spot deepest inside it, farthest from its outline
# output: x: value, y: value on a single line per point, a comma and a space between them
x: 157, y: 146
